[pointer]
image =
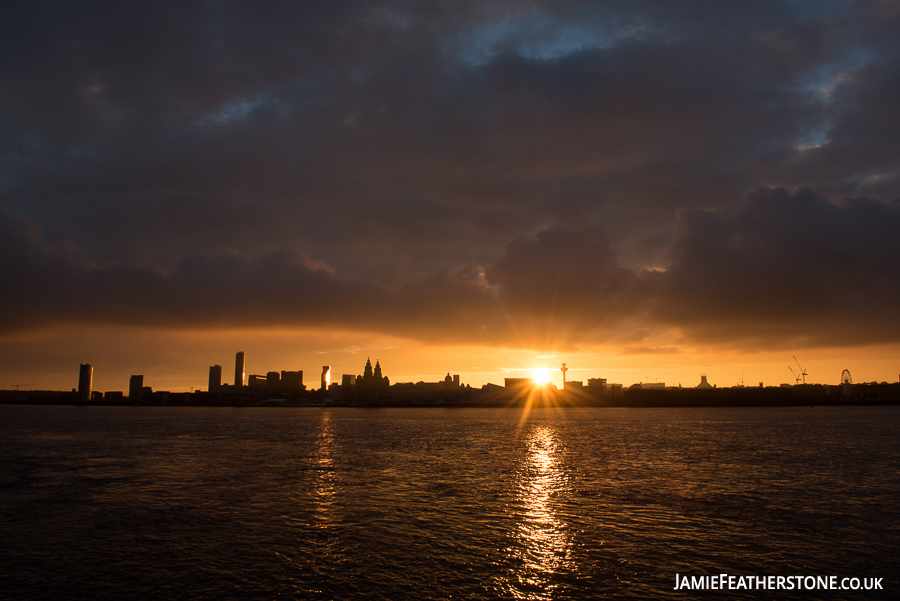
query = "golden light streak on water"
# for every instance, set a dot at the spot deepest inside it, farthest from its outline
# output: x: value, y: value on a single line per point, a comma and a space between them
x: 323, y: 466
x: 543, y: 540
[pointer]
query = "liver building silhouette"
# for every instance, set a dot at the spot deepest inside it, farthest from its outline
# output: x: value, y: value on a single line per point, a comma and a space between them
x: 371, y: 384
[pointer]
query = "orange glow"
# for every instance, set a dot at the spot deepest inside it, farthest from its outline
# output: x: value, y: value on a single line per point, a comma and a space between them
x: 178, y: 360
x: 541, y: 377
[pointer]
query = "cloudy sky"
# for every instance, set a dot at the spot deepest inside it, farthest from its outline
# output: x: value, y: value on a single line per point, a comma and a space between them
x: 644, y: 189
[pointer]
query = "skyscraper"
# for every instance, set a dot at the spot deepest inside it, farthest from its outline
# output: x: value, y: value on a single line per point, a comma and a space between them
x: 326, y: 377
x: 215, y: 378
x: 85, y: 379
x: 239, y: 369
x: 136, y: 389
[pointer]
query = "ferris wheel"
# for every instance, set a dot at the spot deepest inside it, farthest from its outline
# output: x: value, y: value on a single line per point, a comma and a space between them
x: 847, y: 391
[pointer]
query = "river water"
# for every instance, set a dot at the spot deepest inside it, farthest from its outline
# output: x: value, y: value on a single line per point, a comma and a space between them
x: 352, y: 503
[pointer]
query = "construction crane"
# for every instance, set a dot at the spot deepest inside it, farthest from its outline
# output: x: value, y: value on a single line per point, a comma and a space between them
x: 796, y: 377
x: 17, y: 386
x: 802, y: 370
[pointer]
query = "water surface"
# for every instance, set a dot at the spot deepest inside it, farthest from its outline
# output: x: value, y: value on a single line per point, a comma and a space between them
x: 213, y: 503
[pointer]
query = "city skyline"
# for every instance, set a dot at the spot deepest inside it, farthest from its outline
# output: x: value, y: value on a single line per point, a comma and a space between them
x: 543, y: 371
x: 655, y: 190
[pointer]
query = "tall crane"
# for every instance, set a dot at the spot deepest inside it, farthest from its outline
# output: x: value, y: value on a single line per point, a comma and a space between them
x: 796, y: 377
x: 802, y: 370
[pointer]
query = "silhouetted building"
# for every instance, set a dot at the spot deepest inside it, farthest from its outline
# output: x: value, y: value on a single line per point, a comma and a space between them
x: 371, y: 384
x: 273, y: 380
x: 574, y: 385
x: 447, y: 390
x: 256, y: 381
x: 326, y: 378
x: 703, y: 383
x: 348, y: 387
x: 215, y: 378
x: 113, y: 396
x: 292, y: 381
x: 517, y: 384
x: 597, y: 386
x: 135, y: 388
x: 239, y: 369
x: 85, y: 379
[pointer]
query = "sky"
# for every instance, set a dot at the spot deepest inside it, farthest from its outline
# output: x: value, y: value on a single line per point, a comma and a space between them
x: 645, y: 190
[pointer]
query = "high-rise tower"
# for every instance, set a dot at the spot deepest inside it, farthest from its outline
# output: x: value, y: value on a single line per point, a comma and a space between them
x: 239, y: 369
x: 215, y: 378
x: 136, y: 389
x: 85, y: 379
x: 326, y: 377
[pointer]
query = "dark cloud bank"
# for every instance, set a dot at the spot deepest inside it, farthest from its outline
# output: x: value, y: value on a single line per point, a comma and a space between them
x: 479, y: 172
x: 782, y: 267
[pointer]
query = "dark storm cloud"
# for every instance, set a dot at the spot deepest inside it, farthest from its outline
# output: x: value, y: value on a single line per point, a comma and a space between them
x: 785, y: 267
x: 781, y: 268
x: 439, y: 158
x: 56, y: 285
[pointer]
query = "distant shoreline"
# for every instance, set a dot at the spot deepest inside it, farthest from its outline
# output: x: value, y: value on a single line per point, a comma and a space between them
x: 811, y: 395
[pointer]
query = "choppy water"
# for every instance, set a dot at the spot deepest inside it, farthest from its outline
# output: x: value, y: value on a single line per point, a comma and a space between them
x: 132, y: 502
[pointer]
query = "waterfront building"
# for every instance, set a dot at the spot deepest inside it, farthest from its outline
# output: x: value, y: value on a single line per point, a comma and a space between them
x: 215, y: 378
x: 85, y: 379
x: 371, y: 384
x: 292, y: 381
x: 446, y: 390
x: 326, y: 378
x: 273, y: 380
x: 517, y: 384
x: 135, y: 388
x: 239, y: 369
x: 597, y: 386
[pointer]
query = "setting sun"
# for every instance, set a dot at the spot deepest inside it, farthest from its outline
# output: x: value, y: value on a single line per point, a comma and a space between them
x: 540, y: 376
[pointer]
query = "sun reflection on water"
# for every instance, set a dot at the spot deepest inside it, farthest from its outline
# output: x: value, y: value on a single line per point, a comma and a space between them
x: 323, y: 466
x: 543, y: 542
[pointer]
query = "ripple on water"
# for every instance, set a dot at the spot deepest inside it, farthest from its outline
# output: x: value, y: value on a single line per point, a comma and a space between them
x: 106, y: 503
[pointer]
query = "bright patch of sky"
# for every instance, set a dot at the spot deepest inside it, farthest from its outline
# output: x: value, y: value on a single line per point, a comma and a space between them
x: 813, y: 139
x: 823, y: 82
x: 233, y: 110
x: 532, y: 34
x: 280, y: 102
